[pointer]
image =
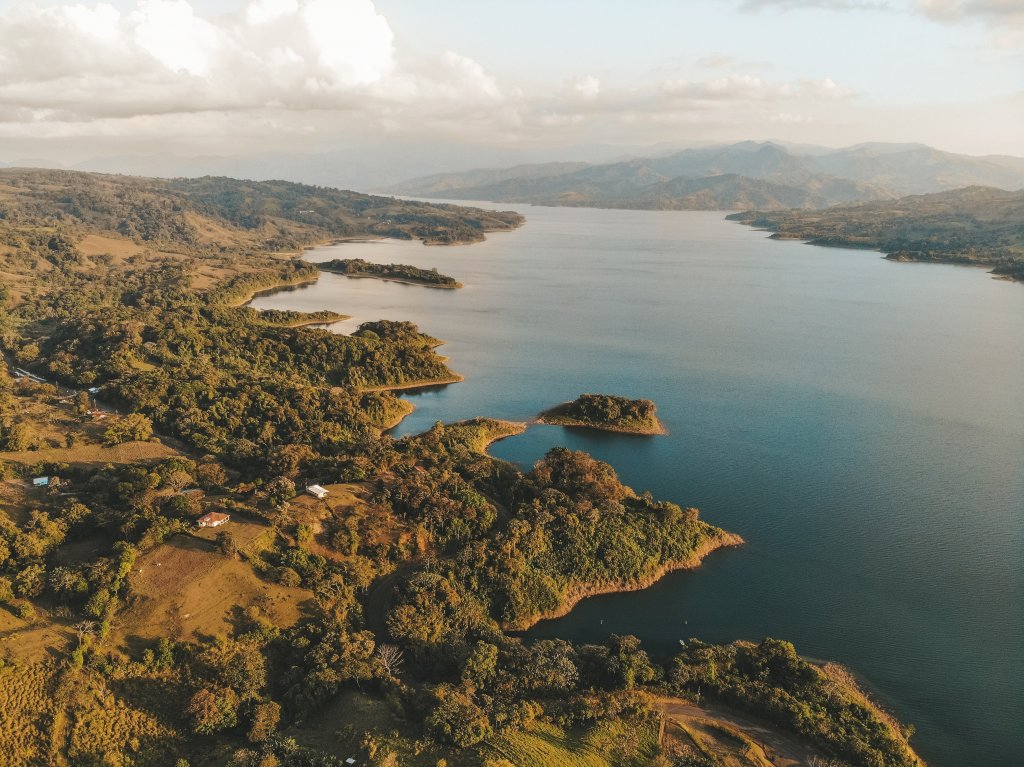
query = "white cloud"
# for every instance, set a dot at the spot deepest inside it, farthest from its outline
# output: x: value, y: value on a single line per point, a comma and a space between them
x: 584, y: 88
x: 830, y: 5
x: 305, y: 74
x: 990, y: 11
x: 745, y: 87
x: 79, y: 63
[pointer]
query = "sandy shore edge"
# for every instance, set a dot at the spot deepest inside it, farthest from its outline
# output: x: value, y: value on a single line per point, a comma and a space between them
x: 719, y: 540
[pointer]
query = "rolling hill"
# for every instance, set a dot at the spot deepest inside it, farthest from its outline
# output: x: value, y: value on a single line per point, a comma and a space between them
x: 745, y: 175
x: 976, y: 225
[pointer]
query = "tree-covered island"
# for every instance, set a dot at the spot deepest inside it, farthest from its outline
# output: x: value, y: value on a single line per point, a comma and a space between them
x: 357, y: 267
x: 608, y: 412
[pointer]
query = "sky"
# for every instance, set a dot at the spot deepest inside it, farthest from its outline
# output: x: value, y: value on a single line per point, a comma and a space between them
x: 81, y: 79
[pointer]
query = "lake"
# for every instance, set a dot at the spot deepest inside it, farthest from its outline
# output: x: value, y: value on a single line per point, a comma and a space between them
x: 859, y: 422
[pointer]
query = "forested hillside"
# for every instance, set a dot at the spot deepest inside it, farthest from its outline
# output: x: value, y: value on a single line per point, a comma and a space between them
x: 977, y: 225
x: 766, y: 176
x: 171, y: 595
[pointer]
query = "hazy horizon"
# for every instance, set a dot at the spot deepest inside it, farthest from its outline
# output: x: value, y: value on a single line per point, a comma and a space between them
x: 195, y: 78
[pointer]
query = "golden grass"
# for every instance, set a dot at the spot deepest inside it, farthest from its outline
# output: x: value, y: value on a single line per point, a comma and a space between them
x: 544, y: 745
x: 27, y: 707
x: 97, y: 244
x: 129, y: 716
x: 94, y: 455
x: 186, y: 589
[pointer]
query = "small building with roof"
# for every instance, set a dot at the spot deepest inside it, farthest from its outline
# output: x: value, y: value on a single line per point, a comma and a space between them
x: 213, y: 519
x: 317, y: 492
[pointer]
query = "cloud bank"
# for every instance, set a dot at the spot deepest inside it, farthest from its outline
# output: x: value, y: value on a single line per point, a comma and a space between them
x: 306, y: 75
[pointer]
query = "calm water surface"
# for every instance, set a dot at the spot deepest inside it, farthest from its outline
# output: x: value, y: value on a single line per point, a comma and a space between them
x: 859, y: 422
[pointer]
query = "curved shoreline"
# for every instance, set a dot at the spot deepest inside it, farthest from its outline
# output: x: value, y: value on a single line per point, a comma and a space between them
x: 721, y: 540
x: 407, y: 410
x: 572, y: 423
x: 384, y: 278
x: 253, y: 294
x: 317, y: 323
x: 420, y: 384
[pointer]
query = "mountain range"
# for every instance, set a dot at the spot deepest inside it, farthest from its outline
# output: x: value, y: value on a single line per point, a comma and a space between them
x: 747, y: 175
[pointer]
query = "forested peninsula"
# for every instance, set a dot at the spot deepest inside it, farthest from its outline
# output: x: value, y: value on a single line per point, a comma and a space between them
x: 607, y: 412
x: 357, y: 267
x: 211, y: 555
x: 978, y: 226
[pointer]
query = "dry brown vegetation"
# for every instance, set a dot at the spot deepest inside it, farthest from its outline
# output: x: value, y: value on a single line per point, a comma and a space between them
x: 187, y: 589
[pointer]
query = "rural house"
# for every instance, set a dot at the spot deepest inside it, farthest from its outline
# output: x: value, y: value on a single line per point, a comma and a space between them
x: 213, y: 519
x: 317, y: 492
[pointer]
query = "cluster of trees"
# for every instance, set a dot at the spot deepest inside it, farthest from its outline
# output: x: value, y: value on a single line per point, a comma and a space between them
x: 122, y: 510
x: 359, y: 267
x: 572, y: 528
x: 771, y: 680
x: 238, y: 289
x: 223, y: 380
x: 606, y: 411
x: 280, y: 215
x: 975, y: 225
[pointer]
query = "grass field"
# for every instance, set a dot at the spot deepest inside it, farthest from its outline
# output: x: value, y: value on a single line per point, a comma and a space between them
x: 27, y: 708
x: 131, y: 715
x: 604, y: 745
x: 186, y: 589
x: 94, y: 455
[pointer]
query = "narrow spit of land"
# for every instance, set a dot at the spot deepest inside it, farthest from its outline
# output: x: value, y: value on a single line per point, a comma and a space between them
x: 412, y: 275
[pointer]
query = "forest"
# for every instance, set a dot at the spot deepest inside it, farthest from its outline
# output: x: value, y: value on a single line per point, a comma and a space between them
x: 379, y: 623
x: 973, y: 226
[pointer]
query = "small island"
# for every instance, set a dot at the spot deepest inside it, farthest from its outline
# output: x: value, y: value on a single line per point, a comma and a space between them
x: 608, y: 412
x: 357, y: 267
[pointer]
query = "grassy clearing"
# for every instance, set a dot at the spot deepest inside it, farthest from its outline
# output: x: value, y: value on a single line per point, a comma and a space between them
x: 18, y: 499
x: 604, y: 745
x: 187, y: 589
x: 27, y: 707
x: 33, y: 641
x: 728, y: 746
x: 131, y: 715
x: 94, y: 455
x: 347, y: 508
x: 337, y: 726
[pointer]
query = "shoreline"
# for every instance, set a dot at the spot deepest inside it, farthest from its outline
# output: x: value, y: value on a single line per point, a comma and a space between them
x: 572, y: 423
x: 421, y: 384
x: 251, y: 296
x: 895, y: 256
x: 303, y: 250
x: 383, y: 278
x: 407, y: 410
x: 711, y: 544
x: 513, y: 429
x: 316, y: 323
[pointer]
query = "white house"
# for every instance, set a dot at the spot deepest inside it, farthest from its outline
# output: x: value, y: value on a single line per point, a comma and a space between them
x: 213, y: 519
x: 41, y: 482
x: 317, y: 492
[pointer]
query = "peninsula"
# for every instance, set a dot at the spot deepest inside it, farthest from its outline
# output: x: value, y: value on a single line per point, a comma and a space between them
x: 134, y: 632
x: 975, y: 226
x: 608, y: 412
x: 413, y: 275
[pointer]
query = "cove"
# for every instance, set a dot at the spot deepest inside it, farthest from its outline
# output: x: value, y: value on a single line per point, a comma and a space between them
x: 859, y: 422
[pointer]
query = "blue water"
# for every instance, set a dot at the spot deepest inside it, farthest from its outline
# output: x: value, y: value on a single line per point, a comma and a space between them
x: 859, y: 422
